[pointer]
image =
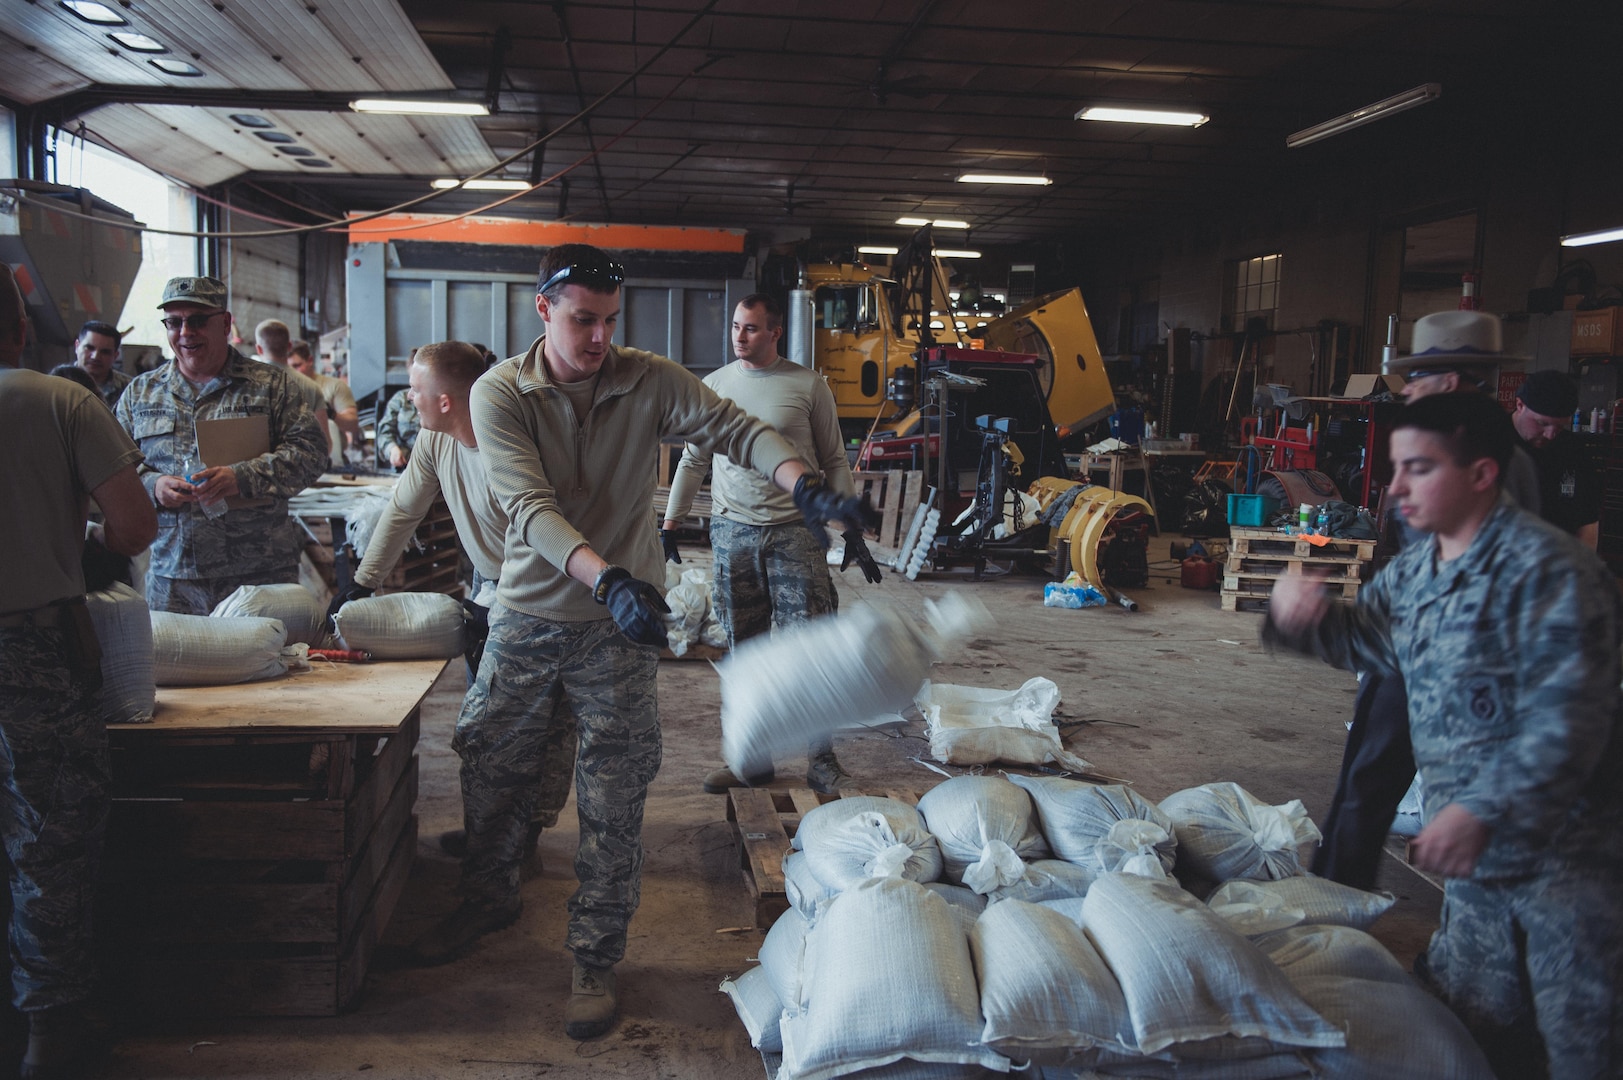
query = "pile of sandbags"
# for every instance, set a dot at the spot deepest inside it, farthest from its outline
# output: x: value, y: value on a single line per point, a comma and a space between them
x: 1058, y: 942
x: 692, y: 619
x: 300, y: 614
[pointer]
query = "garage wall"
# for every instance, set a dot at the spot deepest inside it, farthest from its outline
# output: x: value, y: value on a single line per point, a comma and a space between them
x: 262, y: 276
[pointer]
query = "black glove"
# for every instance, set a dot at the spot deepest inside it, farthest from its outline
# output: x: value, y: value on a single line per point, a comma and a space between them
x: 856, y: 550
x: 637, y: 607
x: 352, y: 591
x: 667, y: 540
x: 819, y: 506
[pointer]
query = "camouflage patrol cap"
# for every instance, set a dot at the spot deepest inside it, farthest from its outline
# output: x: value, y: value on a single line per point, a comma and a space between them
x: 202, y: 291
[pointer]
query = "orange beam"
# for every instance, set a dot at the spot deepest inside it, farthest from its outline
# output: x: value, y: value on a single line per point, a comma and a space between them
x: 512, y: 231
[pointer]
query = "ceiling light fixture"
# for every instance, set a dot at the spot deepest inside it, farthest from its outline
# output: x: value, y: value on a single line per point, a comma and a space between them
x: 940, y: 223
x: 405, y: 107
x: 92, y: 12
x: 1584, y: 239
x: 1003, y: 178
x: 956, y: 253
x: 138, y: 42
x: 1380, y: 110
x: 177, y: 67
x: 875, y: 250
x: 1119, y: 114
x: 445, y: 184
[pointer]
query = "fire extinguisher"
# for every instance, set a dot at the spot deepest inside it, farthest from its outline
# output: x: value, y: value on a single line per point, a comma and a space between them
x: 1469, y: 301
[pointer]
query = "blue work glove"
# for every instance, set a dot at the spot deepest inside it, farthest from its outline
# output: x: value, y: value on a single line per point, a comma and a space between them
x: 352, y: 591
x: 636, y: 606
x: 856, y: 550
x: 819, y: 506
x: 667, y: 540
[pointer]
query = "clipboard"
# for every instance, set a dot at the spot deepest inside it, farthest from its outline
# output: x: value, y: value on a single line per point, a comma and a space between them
x: 230, y: 439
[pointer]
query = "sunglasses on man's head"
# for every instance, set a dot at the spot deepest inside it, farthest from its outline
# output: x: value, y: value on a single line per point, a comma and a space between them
x: 603, y: 275
x: 190, y: 322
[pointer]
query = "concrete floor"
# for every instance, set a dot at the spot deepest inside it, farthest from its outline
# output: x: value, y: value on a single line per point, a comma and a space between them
x: 1173, y: 695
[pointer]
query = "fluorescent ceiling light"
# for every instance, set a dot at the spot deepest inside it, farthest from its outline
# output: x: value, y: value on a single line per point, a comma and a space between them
x: 1002, y: 178
x: 445, y: 184
x: 92, y: 12
x: 940, y: 223
x: 177, y: 67
x: 1120, y: 115
x: 954, y: 253
x: 1368, y: 114
x: 871, y: 250
x: 138, y: 42
x: 404, y: 107
x: 1585, y: 238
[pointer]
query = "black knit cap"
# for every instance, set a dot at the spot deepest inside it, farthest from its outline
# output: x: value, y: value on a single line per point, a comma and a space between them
x: 1549, y: 393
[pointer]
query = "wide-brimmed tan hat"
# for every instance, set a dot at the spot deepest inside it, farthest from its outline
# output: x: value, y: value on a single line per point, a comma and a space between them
x: 1453, y: 341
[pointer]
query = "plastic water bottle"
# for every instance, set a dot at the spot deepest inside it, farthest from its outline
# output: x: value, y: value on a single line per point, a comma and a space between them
x: 1302, y: 517
x: 194, y: 468
x: 1322, y: 526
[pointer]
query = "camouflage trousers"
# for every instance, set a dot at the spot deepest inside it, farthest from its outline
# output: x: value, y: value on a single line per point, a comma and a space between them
x: 769, y: 575
x: 559, y: 773
x: 199, y: 596
x: 53, y: 752
x: 1532, y: 966
x: 537, y: 680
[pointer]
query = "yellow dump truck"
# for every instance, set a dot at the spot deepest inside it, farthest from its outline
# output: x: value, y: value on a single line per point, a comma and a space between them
x: 870, y: 361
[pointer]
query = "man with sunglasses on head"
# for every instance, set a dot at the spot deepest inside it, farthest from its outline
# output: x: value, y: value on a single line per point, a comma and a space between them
x: 198, y: 559
x: 570, y: 432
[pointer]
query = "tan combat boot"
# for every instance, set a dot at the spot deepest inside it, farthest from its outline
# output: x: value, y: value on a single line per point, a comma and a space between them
x: 592, y: 1003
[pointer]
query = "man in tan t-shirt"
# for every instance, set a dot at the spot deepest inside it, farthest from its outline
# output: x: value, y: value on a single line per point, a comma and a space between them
x: 447, y: 462
x: 341, y: 403
x: 62, y: 447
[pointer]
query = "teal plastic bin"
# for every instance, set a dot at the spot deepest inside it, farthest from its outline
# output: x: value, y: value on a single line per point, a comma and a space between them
x: 1252, y: 511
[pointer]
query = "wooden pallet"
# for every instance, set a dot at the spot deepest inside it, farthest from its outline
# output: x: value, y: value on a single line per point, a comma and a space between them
x: 765, y: 821
x: 1270, y: 566
x: 895, y: 493
x: 1271, y: 542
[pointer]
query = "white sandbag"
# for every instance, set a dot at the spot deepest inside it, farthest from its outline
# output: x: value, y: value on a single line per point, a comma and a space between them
x: 780, y: 690
x: 887, y: 976
x: 986, y: 826
x: 1046, y: 879
x: 1326, y: 949
x: 291, y: 605
x: 804, y: 892
x: 124, y: 630
x: 1224, y: 832
x: 201, y: 650
x: 1102, y: 827
x: 402, y: 626
x: 1395, y: 1031
x: 687, y: 594
x: 1188, y: 976
x: 1045, y: 991
x: 972, y: 725
x: 1256, y: 907
x: 848, y: 841
x: 782, y: 953
x: 758, y: 1007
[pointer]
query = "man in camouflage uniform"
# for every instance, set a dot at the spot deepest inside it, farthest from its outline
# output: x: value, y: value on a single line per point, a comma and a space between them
x: 397, y: 430
x: 197, y: 560
x: 447, y: 464
x: 570, y: 431
x: 95, y: 353
x: 1506, y: 631
x: 62, y: 447
x: 769, y: 568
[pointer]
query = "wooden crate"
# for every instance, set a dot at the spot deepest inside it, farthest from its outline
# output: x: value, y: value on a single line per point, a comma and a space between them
x: 432, y: 564
x: 765, y: 821
x: 253, y: 873
x: 1273, y: 544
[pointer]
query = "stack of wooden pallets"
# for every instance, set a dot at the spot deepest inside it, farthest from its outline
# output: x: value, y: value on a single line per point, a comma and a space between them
x: 1259, y: 557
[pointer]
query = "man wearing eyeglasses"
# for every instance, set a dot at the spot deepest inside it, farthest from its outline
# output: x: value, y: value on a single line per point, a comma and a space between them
x: 570, y: 432
x: 200, y: 558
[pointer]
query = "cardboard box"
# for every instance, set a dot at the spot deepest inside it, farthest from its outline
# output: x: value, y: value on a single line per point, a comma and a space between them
x: 1597, y: 333
x: 1363, y: 386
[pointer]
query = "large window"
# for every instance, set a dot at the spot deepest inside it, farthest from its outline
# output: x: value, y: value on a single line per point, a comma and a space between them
x: 1252, y: 291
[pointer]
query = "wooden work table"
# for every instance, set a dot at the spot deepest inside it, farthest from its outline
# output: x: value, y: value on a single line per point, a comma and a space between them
x: 259, y: 839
